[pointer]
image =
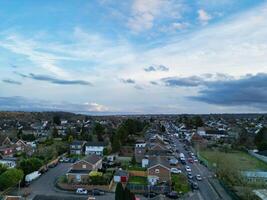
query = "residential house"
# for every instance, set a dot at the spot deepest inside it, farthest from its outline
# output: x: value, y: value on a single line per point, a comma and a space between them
x: 6, y: 149
x: 255, y: 176
x: 158, y: 170
x: 22, y: 146
x: 139, y: 152
x: 77, y: 147
x: 96, y: 148
x: 9, y: 162
x: 79, y: 171
x: 121, y: 176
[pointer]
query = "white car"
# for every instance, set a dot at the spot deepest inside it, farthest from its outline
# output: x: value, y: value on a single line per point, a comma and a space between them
x: 187, y: 168
x: 175, y: 171
x: 81, y: 191
x: 198, y: 177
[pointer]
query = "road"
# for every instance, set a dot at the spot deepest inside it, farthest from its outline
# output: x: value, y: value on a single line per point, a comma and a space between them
x: 209, y: 187
x: 45, y: 185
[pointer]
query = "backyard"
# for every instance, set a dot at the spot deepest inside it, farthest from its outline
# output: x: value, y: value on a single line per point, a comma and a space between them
x: 138, y: 180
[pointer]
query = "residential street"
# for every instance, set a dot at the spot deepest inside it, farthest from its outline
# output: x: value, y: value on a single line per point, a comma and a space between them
x: 209, y: 187
x: 45, y: 185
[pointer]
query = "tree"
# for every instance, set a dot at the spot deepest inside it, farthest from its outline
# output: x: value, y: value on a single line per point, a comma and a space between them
x: 116, y: 143
x: 261, y: 139
x: 119, y: 192
x: 55, y: 132
x: 3, y: 168
x: 162, y: 128
x: 10, y: 178
x: 133, y: 161
x: 57, y: 120
x: 98, y: 129
x: 30, y: 165
x: 20, y: 133
x: 198, y: 122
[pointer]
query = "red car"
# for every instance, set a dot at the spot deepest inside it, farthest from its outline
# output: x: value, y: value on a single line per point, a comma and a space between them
x: 190, y: 160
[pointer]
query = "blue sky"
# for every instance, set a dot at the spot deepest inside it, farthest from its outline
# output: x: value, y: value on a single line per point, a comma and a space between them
x: 136, y: 56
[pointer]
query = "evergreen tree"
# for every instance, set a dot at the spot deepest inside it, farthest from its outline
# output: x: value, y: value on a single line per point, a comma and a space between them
x: 119, y: 193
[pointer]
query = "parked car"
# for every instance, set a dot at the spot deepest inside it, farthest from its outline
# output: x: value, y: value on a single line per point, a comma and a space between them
x: 175, y: 171
x: 190, y: 160
x: 198, y: 177
x: 190, y: 176
x: 187, y: 168
x: 96, y: 192
x: 194, y: 185
x: 172, y: 195
x: 150, y: 195
x: 81, y: 191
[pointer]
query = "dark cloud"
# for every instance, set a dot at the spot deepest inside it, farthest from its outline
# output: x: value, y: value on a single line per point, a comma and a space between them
x: 53, y: 80
x: 195, y: 81
x: 156, y: 68
x: 250, y: 90
x: 153, y: 82
x: 128, y: 81
x: 10, y: 81
x: 192, y: 81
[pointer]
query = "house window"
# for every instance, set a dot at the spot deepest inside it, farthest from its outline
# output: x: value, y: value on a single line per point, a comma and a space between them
x: 84, y: 166
x: 78, y: 178
x: 157, y: 171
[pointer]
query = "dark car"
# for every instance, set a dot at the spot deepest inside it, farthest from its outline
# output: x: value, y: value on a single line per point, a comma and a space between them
x: 194, y: 185
x: 150, y: 195
x: 96, y: 192
x: 172, y: 195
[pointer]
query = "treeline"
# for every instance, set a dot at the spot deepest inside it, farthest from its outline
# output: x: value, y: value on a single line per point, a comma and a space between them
x: 191, y: 122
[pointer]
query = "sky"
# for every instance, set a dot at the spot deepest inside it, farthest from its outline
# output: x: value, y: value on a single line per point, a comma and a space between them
x: 134, y: 56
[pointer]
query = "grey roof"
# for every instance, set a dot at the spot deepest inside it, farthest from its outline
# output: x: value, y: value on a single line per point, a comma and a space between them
x: 92, y: 158
x: 121, y: 173
x: 75, y: 171
x: 255, y: 174
x: 77, y: 142
x: 216, y: 132
x: 48, y: 197
x: 97, y: 144
x: 155, y: 160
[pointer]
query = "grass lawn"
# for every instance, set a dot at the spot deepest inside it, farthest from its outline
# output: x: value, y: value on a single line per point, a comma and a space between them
x: 138, y: 180
x: 180, y: 183
x: 241, y: 160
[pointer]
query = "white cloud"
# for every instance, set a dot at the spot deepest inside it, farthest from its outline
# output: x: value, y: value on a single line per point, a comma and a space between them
x: 30, y: 49
x: 203, y: 16
x: 146, y: 12
x: 95, y: 107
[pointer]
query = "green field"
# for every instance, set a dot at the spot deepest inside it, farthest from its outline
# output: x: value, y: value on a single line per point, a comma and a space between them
x: 240, y: 160
x: 180, y: 183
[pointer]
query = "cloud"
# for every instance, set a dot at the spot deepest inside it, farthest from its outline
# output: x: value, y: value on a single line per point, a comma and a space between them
x: 10, y: 81
x: 35, y: 53
x: 153, y: 83
x: 145, y: 13
x: 53, y: 80
x: 156, y: 68
x: 203, y: 16
x: 249, y: 90
x: 128, y: 81
x: 18, y: 103
x: 195, y: 81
